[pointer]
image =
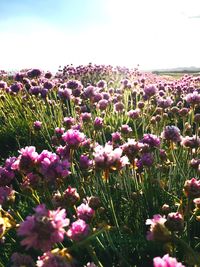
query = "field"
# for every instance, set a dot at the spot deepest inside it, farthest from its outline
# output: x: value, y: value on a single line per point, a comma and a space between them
x: 100, y: 166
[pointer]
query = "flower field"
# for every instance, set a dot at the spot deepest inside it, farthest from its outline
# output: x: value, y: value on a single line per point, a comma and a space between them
x: 99, y: 166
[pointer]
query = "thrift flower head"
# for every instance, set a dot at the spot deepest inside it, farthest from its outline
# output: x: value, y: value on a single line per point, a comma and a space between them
x: 171, y: 133
x: 158, y: 230
x: 193, y: 98
x: 54, y: 258
x: 192, y: 188
x: 43, y: 229
x: 27, y: 160
x: 151, y: 139
x: 175, y: 222
x: 166, y: 261
x: 78, y: 230
x: 109, y: 158
x: 19, y: 260
x: 85, y: 212
x: 73, y: 138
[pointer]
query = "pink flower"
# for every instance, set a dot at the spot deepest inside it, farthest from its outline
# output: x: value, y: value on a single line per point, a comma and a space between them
x: 107, y: 157
x: 6, y: 193
x: 192, y: 188
x: 166, y: 261
x: 85, y: 212
x: 73, y: 138
x: 43, y: 229
x: 27, y: 160
x: 158, y: 231
x: 56, y: 259
x: 78, y: 230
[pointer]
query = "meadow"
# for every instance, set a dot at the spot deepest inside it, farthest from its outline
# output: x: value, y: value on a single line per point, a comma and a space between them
x: 100, y: 166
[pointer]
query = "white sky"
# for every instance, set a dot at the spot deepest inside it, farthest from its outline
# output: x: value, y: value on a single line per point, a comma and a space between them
x: 151, y: 33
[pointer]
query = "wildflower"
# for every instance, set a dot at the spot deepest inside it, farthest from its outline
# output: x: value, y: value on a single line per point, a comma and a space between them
x: 85, y: 162
x: 171, y: 133
x: 192, y: 188
x: 175, y: 222
x: 68, y: 122
x: 85, y: 212
x: 51, y: 167
x: 55, y: 258
x: 166, y: 261
x: 6, y: 194
x: 103, y: 104
x: 134, y: 113
x: 27, y: 159
x: 19, y: 260
x: 98, y: 123
x: 78, y: 230
x: 119, y: 107
x: 158, y: 230
x: 37, y: 125
x: 43, y: 229
x: 34, y: 73
x: 109, y: 158
x: 16, y: 87
x: 126, y: 129
x: 193, y: 98
x: 191, y: 142
x: 73, y: 138
x: 151, y: 139
x: 6, y: 173
x: 69, y: 198
x: 131, y: 149
x: 150, y: 91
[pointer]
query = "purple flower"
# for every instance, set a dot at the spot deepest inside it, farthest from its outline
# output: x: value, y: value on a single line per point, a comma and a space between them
x: 151, y: 139
x: 150, y: 91
x: 43, y: 229
x: 85, y: 212
x: 27, y: 160
x: 98, y: 123
x: 166, y: 261
x: 119, y: 106
x: 103, y: 104
x: 69, y: 197
x: 6, y: 176
x: 192, y: 188
x: 134, y: 114
x: 51, y: 167
x: 86, y: 117
x: 116, y: 137
x: 16, y: 87
x: 73, y: 138
x: 6, y: 194
x: 193, y: 98
x: 147, y: 159
x: 126, y: 129
x: 85, y: 162
x: 171, y: 133
x: 109, y: 158
x: 131, y: 149
x: 37, y: 125
x: 19, y: 260
x: 191, y: 142
x: 68, y: 122
x: 78, y: 230
x: 102, y: 84
x: 34, y: 73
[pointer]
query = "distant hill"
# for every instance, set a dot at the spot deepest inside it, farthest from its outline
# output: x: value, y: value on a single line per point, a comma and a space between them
x: 178, y: 70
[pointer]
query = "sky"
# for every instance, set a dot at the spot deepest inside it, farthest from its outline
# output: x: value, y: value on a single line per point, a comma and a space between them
x: 47, y: 34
